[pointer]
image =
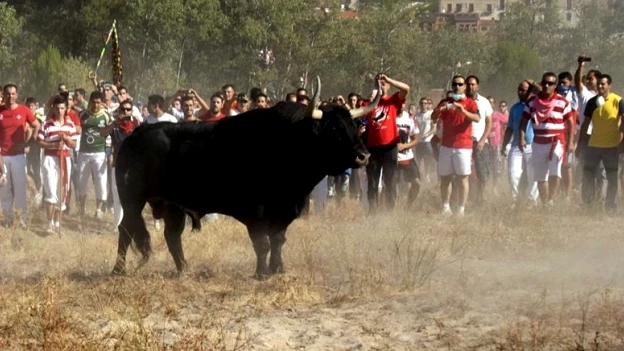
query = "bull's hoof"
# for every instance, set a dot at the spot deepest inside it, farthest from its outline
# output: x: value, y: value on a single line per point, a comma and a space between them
x: 142, y: 262
x: 118, y: 272
x: 261, y: 276
x: 181, y: 273
x: 278, y: 269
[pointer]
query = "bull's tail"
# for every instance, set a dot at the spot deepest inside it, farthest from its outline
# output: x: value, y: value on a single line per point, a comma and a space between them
x: 142, y: 241
x: 195, y: 221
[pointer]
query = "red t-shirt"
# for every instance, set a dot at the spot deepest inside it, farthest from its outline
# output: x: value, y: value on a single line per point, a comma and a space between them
x: 13, y: 129
x: 381, y: 123
x: 207, y: 117
x: 456, y: 128
x: 74, y: 118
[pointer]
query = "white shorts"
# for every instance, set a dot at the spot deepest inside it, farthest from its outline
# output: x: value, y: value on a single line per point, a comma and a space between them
x: 51, y: 181
x: 543, y: 165
x: 454, y: 161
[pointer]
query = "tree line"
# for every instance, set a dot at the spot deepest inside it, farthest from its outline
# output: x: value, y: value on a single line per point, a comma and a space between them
x: 207, y: 43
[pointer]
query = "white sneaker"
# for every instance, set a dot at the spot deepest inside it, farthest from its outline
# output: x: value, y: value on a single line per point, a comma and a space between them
x: 345, y: 185
x: 460, y: 211
x: 331, y: 192
x: 99, y: 214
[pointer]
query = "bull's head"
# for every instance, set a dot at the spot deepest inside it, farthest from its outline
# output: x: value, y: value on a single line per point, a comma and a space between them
x: 340, y: 134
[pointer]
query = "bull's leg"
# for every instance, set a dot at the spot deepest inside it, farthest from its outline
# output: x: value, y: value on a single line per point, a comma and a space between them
x: 277, y: 241
x: 122, y: 249
x: 174, y: 226
x: 261, y: 246
x: 132, y: 227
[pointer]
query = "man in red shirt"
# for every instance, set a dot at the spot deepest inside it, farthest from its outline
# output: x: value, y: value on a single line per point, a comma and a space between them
x: 13, y: 139
x: 215, y: 113
x: 457, y: 114
x: 382, y: 138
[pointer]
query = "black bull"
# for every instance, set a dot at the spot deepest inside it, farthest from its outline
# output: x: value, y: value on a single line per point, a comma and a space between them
x: 257, y: 167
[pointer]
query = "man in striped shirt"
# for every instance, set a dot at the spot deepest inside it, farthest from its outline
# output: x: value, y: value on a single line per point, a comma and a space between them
x: 551, y: 116
x: 57, y: 137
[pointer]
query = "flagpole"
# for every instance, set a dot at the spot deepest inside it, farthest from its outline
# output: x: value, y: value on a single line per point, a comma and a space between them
x: 93, y: 74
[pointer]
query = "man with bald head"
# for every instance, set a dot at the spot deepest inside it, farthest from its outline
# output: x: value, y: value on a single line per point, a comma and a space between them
x: 519, y: 161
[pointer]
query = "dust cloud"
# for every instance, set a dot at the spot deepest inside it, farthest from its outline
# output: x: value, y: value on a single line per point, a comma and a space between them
x: 499, y: 278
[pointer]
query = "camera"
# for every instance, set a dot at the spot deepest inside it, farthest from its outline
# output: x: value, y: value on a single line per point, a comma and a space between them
x: 584, y: 59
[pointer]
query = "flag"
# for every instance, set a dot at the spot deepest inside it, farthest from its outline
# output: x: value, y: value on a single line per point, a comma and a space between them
x: 117, y: 67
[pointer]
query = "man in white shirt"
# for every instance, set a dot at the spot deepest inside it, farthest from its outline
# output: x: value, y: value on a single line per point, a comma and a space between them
x: 156, y: 108
x: 122, y: 96
x: 408, y: 169
x: 565, y: 89
x: 480, y: 133
x: 586, y: 89
x: 424, y: 151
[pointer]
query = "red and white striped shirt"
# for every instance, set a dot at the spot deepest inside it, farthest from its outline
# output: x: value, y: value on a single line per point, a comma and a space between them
x: 551, y: 128
x: 51, y: 132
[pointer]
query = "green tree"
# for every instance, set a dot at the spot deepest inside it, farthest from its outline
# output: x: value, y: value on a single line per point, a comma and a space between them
x: 10, y: 27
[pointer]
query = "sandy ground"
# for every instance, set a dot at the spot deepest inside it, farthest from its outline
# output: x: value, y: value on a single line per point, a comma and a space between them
x: 497, y: 279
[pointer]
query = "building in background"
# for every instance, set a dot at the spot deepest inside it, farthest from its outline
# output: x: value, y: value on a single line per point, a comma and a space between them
x: 493, y: 10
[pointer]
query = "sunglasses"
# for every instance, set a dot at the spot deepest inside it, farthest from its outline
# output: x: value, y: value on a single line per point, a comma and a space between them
x: 544, y: 82
x: 126, y: 108
x: 458, y: 84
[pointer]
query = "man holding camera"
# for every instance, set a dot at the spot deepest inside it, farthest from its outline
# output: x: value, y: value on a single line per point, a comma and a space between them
x: 457, y: 114
x: 586, y: 89
x: 383, y: 142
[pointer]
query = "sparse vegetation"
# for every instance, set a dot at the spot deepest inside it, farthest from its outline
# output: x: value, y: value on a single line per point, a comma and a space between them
x: 495, y: 280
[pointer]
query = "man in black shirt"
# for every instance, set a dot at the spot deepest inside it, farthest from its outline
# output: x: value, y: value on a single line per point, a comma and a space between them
x: 119, y: 129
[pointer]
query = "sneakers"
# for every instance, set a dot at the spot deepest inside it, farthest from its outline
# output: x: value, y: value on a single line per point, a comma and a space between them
x: 53, y: 227
x: 331, y: 192
x: 446, y: 210
x: 460, y: 211
x: 99, y: 214
x: 345, y: 184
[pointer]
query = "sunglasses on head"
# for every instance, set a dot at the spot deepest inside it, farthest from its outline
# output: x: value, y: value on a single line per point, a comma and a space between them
x: 456, y: 84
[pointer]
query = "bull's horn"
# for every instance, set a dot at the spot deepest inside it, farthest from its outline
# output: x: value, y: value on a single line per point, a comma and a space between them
x: 312, y: 111
x: 363, y: 111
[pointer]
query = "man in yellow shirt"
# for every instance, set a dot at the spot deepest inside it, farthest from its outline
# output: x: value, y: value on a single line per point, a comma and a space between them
x: 606, y: 112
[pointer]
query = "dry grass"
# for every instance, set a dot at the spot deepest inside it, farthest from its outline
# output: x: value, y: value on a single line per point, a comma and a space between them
x: 497, y: 279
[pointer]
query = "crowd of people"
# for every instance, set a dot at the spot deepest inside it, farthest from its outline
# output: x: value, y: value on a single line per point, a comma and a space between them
x: 562, y: 128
